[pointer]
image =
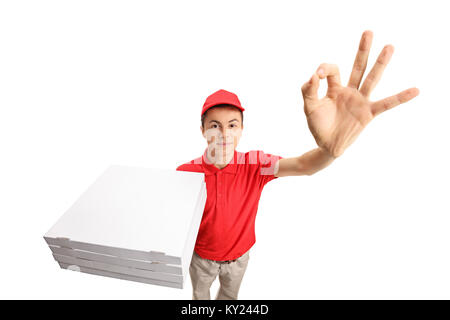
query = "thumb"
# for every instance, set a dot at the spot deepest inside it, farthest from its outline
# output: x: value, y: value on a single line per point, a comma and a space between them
x: 310, y: 93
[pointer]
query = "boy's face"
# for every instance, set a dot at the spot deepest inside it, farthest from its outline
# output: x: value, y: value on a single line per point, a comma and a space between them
x: 222, y: 131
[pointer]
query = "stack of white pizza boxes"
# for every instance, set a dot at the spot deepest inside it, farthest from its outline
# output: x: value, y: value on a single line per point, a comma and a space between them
x: 132, y: 223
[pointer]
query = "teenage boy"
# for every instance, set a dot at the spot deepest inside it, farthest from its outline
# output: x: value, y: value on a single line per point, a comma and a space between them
x: 234, y: 180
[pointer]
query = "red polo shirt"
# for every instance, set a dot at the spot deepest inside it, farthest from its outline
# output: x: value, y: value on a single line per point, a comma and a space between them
x: 227, y: 229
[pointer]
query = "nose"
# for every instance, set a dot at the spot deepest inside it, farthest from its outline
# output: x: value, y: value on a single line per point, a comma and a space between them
x: 226, y: 135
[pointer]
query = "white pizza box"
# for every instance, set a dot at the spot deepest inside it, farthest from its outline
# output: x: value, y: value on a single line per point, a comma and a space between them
x: 135, y: 214
x: 119, y: 269
x: 120, y: 276
x: 140, y: 264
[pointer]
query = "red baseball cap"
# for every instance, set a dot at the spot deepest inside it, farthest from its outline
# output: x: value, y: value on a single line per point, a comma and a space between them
x: 221, y: 97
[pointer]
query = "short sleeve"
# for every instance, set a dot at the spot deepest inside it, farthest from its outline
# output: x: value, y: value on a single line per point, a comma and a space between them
x: 187, y: 167
x: 266, y: 166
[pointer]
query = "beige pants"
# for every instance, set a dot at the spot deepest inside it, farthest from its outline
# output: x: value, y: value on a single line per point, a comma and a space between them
x: 203, y: 272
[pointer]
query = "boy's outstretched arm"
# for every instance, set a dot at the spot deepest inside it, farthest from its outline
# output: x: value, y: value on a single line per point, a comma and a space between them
x: 307, y: 164
x: 337, y: 119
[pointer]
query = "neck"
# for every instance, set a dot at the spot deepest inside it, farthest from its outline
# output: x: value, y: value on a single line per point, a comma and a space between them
x: 220, y: 161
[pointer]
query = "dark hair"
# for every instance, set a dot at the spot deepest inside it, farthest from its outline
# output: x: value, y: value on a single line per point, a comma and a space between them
x: 223, y: 105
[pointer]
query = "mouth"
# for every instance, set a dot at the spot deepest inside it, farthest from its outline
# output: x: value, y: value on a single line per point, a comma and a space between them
x: 224, y: 144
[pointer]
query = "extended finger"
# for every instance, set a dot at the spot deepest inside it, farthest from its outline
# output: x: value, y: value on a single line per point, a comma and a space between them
x: 331, y: 72
x: 360, y: 64
x: 377, y: 70
x: 382, y: 105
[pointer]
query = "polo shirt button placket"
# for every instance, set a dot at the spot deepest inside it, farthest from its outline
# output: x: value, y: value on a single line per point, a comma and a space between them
x: 219, y: 191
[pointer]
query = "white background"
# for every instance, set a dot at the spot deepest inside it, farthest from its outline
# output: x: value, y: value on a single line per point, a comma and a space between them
x: 86, y: 84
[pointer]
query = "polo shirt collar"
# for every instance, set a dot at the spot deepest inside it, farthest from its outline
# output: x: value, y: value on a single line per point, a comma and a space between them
x: 211, y: 169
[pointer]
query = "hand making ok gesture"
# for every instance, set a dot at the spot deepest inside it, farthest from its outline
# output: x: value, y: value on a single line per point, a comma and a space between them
x: 338, y: 118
